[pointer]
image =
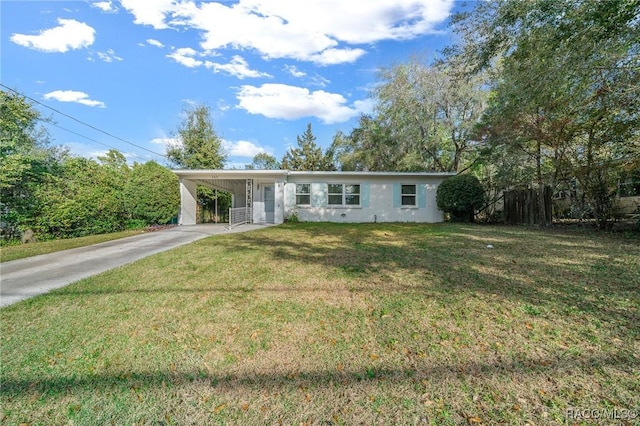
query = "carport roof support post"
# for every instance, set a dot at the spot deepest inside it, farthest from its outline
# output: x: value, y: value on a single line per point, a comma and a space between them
x: 188, y: 202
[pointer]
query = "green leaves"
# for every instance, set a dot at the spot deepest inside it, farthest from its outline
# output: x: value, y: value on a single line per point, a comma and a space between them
x: 460, y: 195
x: 152, y: 193
x: 565, y: 99
x: 308, y: 156
x: 200, y: 147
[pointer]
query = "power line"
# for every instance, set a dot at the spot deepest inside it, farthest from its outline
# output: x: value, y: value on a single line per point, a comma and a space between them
x: 82, y: 122
x: 77, y: 134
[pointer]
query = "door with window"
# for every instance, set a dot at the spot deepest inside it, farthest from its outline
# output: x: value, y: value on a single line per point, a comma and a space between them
x: 269, y: 203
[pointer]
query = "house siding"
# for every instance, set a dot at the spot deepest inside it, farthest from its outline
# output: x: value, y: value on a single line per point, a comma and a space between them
x: 380, y: 201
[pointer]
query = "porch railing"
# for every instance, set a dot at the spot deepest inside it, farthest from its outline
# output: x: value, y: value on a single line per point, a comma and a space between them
x: 239, y: 216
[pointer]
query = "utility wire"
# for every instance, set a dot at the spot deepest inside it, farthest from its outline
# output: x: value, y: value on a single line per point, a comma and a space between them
x: 82, y: 122
x: 75, y: 133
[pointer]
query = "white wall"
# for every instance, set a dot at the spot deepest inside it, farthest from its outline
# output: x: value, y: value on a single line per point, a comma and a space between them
x: 377, y: 201
x: 188, y: 202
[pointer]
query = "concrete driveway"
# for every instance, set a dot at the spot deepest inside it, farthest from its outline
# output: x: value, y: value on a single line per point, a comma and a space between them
x: 24, y: 278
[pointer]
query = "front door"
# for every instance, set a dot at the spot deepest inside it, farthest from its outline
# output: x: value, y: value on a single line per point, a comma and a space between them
x: 269, y: 203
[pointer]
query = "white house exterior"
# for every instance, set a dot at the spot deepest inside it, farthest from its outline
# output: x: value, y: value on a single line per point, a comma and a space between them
x: 270, y: 196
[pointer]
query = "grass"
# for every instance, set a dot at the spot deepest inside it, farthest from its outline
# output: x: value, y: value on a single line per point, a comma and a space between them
x: 337, y: 324
x: 14, y: 252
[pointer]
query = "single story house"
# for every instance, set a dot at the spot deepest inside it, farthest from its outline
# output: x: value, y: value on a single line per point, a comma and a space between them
x: 270, y: 196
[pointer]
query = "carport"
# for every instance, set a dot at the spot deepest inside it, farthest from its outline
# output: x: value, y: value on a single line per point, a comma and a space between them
x: 257, y: 195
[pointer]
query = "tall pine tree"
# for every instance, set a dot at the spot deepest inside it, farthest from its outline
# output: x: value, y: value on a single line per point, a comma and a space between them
x: 308, y: 156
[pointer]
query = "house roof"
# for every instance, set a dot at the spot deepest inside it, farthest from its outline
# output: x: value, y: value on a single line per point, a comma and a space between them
x: 230, y: 174
x: 253, y: 174
x: 372, y: 174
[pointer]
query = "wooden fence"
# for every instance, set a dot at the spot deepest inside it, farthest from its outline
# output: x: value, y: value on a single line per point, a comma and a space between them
x: 522, y: 207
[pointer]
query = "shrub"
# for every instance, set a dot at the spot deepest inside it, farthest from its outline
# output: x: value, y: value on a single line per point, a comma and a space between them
x: 292, y: 217
x: 152, y: 193
x: 460, y: 196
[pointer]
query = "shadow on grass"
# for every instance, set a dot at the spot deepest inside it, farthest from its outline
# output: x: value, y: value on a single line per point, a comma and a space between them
x: 557, y: 271
x: 527, y: 265
x: 12, y: 388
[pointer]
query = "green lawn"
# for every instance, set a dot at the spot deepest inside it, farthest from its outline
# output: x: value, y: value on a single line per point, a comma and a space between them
x: 337, y: 324
x: 14, y: 252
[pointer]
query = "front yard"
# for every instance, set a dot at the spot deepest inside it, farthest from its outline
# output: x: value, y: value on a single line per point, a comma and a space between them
x: 338, y: 324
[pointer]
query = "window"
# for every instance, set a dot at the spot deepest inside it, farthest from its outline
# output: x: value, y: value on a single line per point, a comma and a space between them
x: 303, y: 194
x: 343, y: 194
x: 409, y: 195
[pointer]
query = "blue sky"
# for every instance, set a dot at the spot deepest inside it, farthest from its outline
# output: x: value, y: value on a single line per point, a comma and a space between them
x: 265, y: 68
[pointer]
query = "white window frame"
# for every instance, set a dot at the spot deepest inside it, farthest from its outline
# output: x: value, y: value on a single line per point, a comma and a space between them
x: 344, y: 195
x: 303, y: 194
x: 414, y: 195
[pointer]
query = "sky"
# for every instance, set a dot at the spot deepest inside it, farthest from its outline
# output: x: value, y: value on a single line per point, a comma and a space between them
x: 265, y: 68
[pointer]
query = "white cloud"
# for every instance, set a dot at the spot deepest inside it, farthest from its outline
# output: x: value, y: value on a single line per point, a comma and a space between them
x: 109, y: 56
x: 291, y: 102
x: 154, y: 42
x: 73, y: 96
x: 233, y: 148
x: 105, y: 6
x: 69, y: 35
x: 364, y: 106
x: 321, y: 31
x: 291, y: 69
x: 185, y: 56
x: 149, y: 12
x: 242, y: 148
x: 337, y: 56
x: 319, y: 81
x: 238, y: 67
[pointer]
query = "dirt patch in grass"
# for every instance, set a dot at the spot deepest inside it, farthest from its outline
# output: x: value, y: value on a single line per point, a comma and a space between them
x: 337, y: 324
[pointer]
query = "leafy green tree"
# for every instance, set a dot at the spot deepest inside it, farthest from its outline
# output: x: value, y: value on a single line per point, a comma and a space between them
x: 264, y: 161
x: 369, y: 147
x: 307, y: 156
x: 199, y: 147
x: 152, y: 193
x: 430, y: 113
x: 425, y: 118
x: 460, y: 196
x: 115, y: 160
x: 26, y: 161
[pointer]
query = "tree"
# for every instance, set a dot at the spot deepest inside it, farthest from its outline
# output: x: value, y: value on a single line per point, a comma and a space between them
x: 430, y: 113
x: 308, y: 156
x: 369, y: 147
x: 115, y: 160
x: 26, y: 161
x: 263, y: 161
x: 424, y: 121
x: 152, y: 193
x: 198, y: 147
